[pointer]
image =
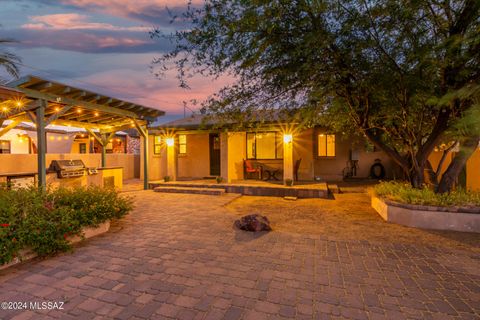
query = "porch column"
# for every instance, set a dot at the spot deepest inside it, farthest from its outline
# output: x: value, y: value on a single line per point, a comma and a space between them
x: 287, y: 157
x: 41, y: 144
x: 224, y: 157
x: 145, y: 159
x: 171, y: 159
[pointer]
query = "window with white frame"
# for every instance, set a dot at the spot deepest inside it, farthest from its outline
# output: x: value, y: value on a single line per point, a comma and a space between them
x: 182, y: 143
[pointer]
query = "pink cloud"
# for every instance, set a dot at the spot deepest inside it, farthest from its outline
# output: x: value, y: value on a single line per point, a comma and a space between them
x: 74, y: 21
x: 163, y: 94
x: 144, y: 10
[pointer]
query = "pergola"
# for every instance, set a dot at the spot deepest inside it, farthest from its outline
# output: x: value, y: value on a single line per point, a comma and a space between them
x: 45, y: 102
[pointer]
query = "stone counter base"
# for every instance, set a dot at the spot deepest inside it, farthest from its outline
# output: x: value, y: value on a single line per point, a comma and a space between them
x: 88, y: 232
x: 426, y: 219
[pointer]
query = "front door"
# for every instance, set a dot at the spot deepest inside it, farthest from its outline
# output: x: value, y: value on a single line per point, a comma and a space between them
x: 214, y: 154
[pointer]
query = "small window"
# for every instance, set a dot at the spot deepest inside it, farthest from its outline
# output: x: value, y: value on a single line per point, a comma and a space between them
x: 157, y: 144
x: 326, y: 145
x: 83, y: 147
x: 5, y: 146
x: 182, y: 144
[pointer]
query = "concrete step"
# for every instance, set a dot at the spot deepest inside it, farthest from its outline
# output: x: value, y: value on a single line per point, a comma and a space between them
x: 206, y: 191
x: 334, y: 188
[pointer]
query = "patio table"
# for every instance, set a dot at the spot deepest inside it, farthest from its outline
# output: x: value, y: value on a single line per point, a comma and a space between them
x: 272, y: 174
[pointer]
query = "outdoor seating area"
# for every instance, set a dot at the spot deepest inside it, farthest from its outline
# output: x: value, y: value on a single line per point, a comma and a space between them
x: 260, y: 171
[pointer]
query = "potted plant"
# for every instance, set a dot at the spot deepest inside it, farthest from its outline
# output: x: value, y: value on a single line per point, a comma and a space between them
x: 288, y: 182
x: 166, y: 178
x: 219, y: 179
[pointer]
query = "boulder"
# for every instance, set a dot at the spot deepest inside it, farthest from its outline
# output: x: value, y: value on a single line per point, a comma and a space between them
x: 254, y: 223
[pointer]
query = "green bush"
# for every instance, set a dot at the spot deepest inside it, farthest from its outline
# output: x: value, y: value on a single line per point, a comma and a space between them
x: 404, y: 193
x: 44, y: 220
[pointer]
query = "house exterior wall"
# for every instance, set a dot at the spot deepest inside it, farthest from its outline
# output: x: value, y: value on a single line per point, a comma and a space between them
x: 331, y: 169
x: 473, y: 171
x: 196, y: 162
x: 157, y: 163
x: 17, y: 145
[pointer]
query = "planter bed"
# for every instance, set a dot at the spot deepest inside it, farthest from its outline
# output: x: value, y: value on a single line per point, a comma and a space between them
x: 464, y: 219
x: 88, y: 232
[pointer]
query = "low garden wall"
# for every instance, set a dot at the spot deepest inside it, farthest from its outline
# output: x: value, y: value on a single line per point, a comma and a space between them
x: 465, y: 219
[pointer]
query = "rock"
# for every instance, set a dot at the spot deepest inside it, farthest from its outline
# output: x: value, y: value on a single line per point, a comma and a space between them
x: 254, y: 223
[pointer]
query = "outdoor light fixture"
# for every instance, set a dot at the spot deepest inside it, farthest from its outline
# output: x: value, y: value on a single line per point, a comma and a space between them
x: 287, y: 138
x: 57, y: 109
x: 96, y: 114
x: 4, y: 109
x: 170, y: 142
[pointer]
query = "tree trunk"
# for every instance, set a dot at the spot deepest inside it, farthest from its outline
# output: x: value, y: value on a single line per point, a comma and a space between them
x: 417, y: 177
x: 453, y: 171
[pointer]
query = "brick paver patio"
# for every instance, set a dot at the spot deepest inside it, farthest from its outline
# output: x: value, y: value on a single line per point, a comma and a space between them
x: 178, y: 257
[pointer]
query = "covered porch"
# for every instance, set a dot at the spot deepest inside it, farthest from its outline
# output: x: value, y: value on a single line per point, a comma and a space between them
x: 274, y: 156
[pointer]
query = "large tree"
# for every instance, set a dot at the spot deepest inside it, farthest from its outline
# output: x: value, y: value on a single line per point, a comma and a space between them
x: 401, y: 73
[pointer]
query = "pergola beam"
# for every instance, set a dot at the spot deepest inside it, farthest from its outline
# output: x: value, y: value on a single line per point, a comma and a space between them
x: 9, y: 127
x: 83, y: 104
x: 58, y: 114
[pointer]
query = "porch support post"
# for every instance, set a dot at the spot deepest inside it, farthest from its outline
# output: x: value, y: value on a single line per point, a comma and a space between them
x: 144, y: 133
x: 145, y: 159
x: 171, y: 158
x: 41, y: 144
x: 104, y: 143
x: 224, y: 159
x: 287, y: 157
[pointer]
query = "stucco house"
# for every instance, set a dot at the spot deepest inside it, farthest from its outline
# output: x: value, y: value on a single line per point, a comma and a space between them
x: 185, y: 149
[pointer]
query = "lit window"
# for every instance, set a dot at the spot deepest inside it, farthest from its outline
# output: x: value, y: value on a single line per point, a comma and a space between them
x: 157, y: 144
x: 5, y: 146
x: 182, y: 144
x: 264, y: 145
x: 326, y: 145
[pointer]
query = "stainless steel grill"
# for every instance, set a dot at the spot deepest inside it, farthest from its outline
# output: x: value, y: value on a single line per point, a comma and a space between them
x: 70, y: 168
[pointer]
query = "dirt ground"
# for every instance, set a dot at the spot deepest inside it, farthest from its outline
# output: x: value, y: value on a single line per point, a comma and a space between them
x: 347, y: 217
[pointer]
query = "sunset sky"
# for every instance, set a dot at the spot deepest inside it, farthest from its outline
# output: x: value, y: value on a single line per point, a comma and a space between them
x: 103, y: 46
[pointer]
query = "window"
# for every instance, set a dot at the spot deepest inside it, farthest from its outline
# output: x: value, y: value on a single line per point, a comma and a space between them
x: 157, y: 144
x: 264, y: 145
x: 326, y: 145
x: 182, y: 143
x: 83, y: 147
x: 5, y: 146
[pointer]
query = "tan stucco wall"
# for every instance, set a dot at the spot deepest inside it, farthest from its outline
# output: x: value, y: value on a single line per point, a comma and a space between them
x: 12, y: 163
x: 157, y: 166
x: 303, y: 149
x: 473, y: 171
x: 17, y: 145
x: 76, y: 145
x: 196, y: 162
x: 236, y: 154
x: 331, y: 169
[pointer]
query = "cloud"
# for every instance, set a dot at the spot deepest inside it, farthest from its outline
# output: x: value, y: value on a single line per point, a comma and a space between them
x: 154, y: 12
x: 74, y: 21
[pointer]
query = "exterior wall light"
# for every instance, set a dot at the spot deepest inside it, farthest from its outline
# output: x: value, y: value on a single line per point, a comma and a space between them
x: 170, y: 142
x: 287, y: 138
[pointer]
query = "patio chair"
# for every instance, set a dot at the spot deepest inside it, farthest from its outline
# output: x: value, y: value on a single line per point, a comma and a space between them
x: 249, y: 169
x: 296, y: 167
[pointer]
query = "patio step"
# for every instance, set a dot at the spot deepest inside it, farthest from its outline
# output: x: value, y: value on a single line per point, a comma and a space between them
x: 334, y: 188
x: 190, y: 190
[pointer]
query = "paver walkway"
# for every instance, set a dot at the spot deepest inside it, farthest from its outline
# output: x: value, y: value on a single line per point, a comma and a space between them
x: 177, y: 256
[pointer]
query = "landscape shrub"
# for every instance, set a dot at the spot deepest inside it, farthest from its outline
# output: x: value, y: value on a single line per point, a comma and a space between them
x: 405, y: 193
x: 43, y: 221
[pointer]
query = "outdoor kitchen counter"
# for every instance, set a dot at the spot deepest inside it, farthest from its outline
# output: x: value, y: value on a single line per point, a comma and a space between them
x: 108, y: 177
